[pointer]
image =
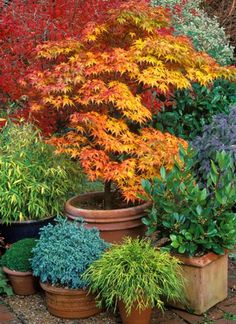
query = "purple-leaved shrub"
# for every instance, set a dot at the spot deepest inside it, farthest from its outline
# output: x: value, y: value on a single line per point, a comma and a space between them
x: 219, y: 135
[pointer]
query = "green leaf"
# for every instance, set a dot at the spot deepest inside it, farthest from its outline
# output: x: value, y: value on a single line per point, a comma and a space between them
x: 213, y: 167
x: 181, y: 249
x: 218, y: 197
x: 203, y: 194
x: 188, y: 236
x: 175, y: 244
x: 199, y: 210
x: 147, y: 186
x: 163, y: 173
x: 213, y: 177
x: 173, y: 237
x: 146, y: 221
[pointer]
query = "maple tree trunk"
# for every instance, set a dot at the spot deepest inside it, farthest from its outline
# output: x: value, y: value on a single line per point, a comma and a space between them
x: 107, y: 195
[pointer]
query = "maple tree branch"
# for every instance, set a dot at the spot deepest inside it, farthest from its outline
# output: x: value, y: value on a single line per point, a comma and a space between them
x: 139, y: 88
x: 232, y: 7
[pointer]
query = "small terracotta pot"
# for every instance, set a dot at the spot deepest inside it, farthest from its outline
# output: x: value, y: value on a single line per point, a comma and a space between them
x: 113, y: 224
x: 70, y: 303
x: 136, y: 316
x: 23, y: 283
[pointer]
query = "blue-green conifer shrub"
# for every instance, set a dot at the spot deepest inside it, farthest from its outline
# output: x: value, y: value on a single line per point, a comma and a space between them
x: 64, y: 251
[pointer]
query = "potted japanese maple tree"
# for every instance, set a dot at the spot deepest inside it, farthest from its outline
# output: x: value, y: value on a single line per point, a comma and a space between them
x: 105, y: 77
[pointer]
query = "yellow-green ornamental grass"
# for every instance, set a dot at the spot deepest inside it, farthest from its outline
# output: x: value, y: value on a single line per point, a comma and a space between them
x: 135, y: 272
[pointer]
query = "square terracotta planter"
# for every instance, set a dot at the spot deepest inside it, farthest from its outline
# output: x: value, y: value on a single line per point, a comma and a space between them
x: 206, y: 280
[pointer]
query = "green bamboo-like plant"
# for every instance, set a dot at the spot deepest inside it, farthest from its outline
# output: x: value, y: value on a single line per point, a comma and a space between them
x: 135, y: 272
x: 34, y: 181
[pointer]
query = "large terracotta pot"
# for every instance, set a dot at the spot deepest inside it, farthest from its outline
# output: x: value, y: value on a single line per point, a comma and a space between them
x: 69, y: 303
x: 113, y: 224
x: 206, y: 281
x: 17, y: 230
x: 136, y: 316
x: 23, y: 283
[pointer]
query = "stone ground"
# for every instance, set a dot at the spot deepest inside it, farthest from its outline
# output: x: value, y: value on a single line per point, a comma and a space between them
x: 32, y: 310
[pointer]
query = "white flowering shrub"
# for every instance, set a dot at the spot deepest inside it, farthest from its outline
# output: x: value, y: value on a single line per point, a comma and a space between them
x: 205, y: 32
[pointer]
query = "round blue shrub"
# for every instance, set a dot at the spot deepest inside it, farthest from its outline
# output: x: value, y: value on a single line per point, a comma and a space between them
x: 64, y: 251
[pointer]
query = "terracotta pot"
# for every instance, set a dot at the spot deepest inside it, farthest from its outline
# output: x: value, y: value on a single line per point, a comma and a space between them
x: 17, y: 230
x: 23, y: 283
x: 206, y: 281
x: 69, y: 303
x: 136, y: 316
x: 113, y: 224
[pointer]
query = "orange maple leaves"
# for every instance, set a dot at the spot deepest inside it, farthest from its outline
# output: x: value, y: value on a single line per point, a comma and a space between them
x: 102, y: 78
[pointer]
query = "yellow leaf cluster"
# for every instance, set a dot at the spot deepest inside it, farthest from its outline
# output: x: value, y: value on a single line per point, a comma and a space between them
x: 102, y: 77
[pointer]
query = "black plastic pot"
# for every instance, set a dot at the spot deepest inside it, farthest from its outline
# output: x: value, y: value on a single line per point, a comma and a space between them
x: 19, y: 230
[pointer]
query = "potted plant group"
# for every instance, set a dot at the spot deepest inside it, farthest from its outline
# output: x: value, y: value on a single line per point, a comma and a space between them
x: 17, y: 266
x: 62, y: 254
x: 105, y: 78
x: 197, y: 224
x: 34, y: 184
x: 137, y: 277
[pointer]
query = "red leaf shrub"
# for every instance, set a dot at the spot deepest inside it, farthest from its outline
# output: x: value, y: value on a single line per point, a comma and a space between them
x: 24, y: 24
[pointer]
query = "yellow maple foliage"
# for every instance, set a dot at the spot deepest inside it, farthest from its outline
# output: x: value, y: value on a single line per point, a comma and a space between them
x: 102, y: 77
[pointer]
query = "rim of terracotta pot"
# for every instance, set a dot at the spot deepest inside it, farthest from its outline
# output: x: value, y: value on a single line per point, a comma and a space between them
x: 199, y: 261
x: 16, y: 273
x: 27, y: 221
x: 122, y: 213
x: 62, y: 290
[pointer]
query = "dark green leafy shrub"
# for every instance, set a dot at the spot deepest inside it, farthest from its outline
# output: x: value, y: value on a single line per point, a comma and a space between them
x: 135, y: 272
x: 192, y: 109
x: 218, y: 136
x: 34, y: 181
x: 18, y: 255
x: 194, y: 220
x: 64, y: 251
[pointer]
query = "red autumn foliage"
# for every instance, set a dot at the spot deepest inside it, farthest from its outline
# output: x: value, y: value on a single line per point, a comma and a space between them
x: 49, y: 123
x: 25, y: 23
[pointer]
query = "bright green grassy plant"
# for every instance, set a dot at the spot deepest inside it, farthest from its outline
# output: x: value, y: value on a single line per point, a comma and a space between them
x: 135, y: 272
x: 18, y: 255
x: 34, y: 181
x: 191, y: 219
x: 64, y: 251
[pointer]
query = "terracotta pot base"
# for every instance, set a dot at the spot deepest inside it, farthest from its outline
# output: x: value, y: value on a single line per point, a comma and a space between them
x: 70, y: 303
x: 23, y: 283
x: 136, y: 316
x: 206, y: 281
x: 113, y: 224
